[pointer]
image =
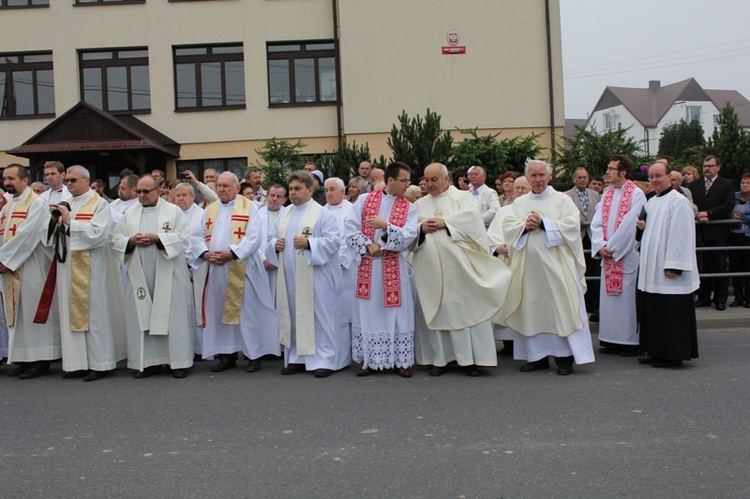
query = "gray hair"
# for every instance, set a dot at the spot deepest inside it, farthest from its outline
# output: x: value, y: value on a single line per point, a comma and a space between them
x: 477, y: 168
x: 522, y: 177
x: 185, y: 185
x: 228, y: 174
x: 532, y: 162
x: 339, y: 183
x: 80, y: 169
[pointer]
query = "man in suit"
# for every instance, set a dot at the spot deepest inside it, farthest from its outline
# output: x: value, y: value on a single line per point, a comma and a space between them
x: 714, y: 197
x: 485, y: 196
x: 586, y: 200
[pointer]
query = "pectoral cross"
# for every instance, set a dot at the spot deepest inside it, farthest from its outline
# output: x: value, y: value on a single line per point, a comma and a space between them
x: 239, y: 233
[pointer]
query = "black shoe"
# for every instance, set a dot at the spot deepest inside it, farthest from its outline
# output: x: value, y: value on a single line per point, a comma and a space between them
x: 404, y: 372
x: 538, y: 365
x: 35, y: 372
x: 253, y: 366
x: 179, y: 373
x: 19, y: 369
x: 74, y: 374
x: 506, y: 352
x: 701, y: 303
x: 721, y: 307
x: 95, y: 375
x: 632, y: 353
x: 293, y: 369
x: 223, y: 365
x: 472, y: 370
x: 645, y: 360
x: 565, y: 370
x: 665, y: 363
x: 198, y: 358
x: 323, y: 373
x: 609, y: 350
x: 736, y: 303
x: 437, y: 371
x: 149, y: 371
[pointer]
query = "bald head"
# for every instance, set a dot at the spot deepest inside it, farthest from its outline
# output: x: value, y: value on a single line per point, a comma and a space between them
x: 227, y: 187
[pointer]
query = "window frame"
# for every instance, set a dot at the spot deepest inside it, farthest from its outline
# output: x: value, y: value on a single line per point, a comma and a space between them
x: 22, y: 66
x: 302, y: 53
x: 4, y: 5
x: 202, y: 165
x: 116, y: 61
x: 208, y: 57
x: 698, y: 110
x: 88, y: 3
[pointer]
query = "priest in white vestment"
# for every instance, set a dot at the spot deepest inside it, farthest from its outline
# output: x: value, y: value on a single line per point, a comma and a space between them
x: 613, y: 242
x: 24, y: 263
x: 342, y: 210
x: 238, y: 310
x: 668, y: 275
x: 88, y: 290
x: 275, y: 199
x: 150, y: 240
x: 379, y: 231
x: 545, y: 302
x: 460, y: 285
x: 500, y: 249
x: 304, y: 244
x: 184, y: 197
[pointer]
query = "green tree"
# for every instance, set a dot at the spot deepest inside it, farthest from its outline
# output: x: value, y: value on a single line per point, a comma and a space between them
x: 485, y: 151
x: 419, y: 142
x: 277, y: 159
x: 592, y: 150
x: 730, y: 143
x: 518, y: 149
x: 679, y: 139
x: 343, y: 162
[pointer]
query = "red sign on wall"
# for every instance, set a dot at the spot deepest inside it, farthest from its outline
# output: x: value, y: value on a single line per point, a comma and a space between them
x: 454, y: 50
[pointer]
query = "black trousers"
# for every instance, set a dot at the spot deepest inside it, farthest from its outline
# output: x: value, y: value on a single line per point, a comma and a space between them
x: 713, y: 262
x: 739, y: 261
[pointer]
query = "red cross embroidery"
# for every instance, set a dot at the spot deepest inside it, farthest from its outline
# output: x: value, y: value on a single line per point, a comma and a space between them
x: 2, y: 220
x: 13, y: 229
x: 209, y: 223
x: 239, y: 233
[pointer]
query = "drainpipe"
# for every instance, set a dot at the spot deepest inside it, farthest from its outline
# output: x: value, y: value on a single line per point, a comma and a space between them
x: 550, y: 80
x: 337, y: 58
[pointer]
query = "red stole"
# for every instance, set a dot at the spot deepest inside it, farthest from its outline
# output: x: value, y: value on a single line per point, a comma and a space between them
x: 613, y: 274
x: 391, y: 268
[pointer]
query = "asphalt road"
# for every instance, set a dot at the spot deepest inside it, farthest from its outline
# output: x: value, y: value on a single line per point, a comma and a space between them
x: 614, y: 429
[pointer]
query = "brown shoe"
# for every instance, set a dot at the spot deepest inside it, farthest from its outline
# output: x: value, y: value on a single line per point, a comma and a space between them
x: 365, y: 371
x: 404, y: 372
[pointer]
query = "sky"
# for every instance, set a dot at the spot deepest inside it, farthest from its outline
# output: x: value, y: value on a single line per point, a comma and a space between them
x: 628, y: 43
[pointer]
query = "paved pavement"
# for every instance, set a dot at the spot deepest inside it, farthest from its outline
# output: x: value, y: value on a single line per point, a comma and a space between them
x: 614, y: 428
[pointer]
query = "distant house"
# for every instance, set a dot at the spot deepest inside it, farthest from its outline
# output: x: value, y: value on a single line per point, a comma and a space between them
x: 648, y: 110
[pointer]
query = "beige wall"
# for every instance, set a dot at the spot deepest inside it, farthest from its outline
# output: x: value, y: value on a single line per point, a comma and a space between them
x: 390, y: 56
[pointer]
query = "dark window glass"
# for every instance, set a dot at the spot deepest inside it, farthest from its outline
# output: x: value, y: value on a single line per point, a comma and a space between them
x: 105, y: 2
x: 210, y: 77
x: 26, y: 85
x: 116, y: 80
x: 198, y: 166
x: 301, y: 73
x: 23, y: 3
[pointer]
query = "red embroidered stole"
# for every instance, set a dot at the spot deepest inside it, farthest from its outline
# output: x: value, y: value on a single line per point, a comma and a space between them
x: 391, y: 267
x: 613, y: 273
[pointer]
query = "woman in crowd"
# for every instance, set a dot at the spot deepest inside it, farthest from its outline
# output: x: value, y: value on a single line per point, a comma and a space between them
x: 356, y: 187
x: 739, y: 235
x: 505, y: 189
x: 689, y: 175
x: 247, y: 191
x: 413, y: 193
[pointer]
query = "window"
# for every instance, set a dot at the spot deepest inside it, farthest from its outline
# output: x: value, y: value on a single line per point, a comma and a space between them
x: 116, y: 80
x: 106, y: 2
x: 27, y: 85
x: 9, y: 4
x: 716, y: 120
x: 209, y: 77
x: 694, y: 113
x: 301, y: 73
x: 198, y: 166
x: 611, y: 120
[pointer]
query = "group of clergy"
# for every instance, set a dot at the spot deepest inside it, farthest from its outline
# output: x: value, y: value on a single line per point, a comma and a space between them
x: 384, y: 282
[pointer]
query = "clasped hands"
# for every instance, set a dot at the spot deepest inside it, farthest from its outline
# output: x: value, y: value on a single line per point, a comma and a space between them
x: 141, y: 239
x: 533, y: 221
x: 300, y: 243
x: 218, y: 257
x: 433, y: 225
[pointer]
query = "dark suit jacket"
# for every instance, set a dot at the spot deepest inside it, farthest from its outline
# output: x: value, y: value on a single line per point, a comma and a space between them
x: 718, y: 202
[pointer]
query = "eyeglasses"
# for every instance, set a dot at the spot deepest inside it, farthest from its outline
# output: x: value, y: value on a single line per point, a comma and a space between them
x: 404, y: 180
x: 71, y: 180
x: 144, y: 191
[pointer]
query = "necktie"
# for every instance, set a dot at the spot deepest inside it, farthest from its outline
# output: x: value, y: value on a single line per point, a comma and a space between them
x: 584, y: 197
